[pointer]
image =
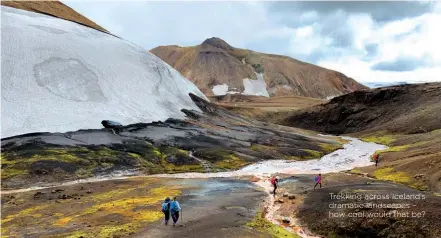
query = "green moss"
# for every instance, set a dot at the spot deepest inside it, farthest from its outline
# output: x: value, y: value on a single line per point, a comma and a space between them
x: 214, y: 154
x: 394, y: 149
x: 231, y: 162
x: 420, y: 185
x: 384, y: 139
x: 388, y: 174
x: 328, y: 148
x: 313, y: 154
x: 261, y: 224
x: 8, y: 173
x: 171, y: 168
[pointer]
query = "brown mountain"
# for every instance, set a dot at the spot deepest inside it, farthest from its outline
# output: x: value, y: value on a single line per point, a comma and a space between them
x: 215, y: 62
x: 53, y: 8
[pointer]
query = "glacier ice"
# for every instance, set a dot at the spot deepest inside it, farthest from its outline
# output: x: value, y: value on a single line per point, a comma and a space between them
x: 60, y: 76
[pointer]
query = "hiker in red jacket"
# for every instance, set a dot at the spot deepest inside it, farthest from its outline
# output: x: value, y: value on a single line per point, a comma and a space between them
x: 318, y: 180
x: 375, y: 158
x: 274, y: 181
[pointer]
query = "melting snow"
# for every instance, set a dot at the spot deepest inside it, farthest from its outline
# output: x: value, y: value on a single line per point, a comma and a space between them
x: 255, y: 87
x: 221, y: 89
x: 59, y: 76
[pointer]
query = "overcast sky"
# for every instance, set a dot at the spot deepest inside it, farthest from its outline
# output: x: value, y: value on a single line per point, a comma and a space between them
x: 368, y: 41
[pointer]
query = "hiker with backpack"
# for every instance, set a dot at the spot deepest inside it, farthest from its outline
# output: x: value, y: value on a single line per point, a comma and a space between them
x: 318, y: 180
x: 166, y: 209
x: 174, y: 210
x: 376, y: 157
x: 274, y: 181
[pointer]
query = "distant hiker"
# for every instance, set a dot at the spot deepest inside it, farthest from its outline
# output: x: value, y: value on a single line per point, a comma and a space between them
x: 166, y: 209
x: 375, y: 157
x: 274, y: 181
x: 174, y: 209
x: 318, y: 180
x: 115, y: 127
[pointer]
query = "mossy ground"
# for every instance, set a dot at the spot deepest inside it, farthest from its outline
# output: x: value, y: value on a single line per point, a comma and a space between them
x: 389, y: 174
x: 116, y: 209
x: 222, y: 159
x: 380, y: 138
x: 263, y: 225
x: 82, y: 162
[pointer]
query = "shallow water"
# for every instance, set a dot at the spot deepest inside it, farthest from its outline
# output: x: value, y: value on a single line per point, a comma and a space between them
x: 356, y: 153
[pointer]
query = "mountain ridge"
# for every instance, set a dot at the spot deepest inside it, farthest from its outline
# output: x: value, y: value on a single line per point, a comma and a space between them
x: 215, y: 63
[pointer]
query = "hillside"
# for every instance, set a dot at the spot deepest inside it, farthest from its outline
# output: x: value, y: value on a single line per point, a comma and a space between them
x: 407, y: 118
x: 53, y: 8
x: 263, y: 108
x: 77, y: 76
x: 216, y: 67
x: 398, y: 109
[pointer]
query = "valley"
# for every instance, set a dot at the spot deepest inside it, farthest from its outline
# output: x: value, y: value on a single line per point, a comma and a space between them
x: 209, y: 124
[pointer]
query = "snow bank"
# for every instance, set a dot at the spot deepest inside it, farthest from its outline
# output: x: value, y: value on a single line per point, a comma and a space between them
x: 59, y: 76
x: 221, y: 89
x: 255, y: 87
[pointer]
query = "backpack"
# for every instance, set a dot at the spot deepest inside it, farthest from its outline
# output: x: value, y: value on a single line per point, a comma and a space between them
x: 174, y: 207
x: 165, y: 207
x: 273, y: 181
x: 316, y: 178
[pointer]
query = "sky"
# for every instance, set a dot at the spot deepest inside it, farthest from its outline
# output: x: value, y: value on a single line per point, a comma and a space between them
x: 368, y: 41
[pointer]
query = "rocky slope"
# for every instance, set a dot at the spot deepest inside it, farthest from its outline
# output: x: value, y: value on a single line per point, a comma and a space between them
x: 54, y: 8
x: 217, y: 139
x: 215, y: 64
x: 412, y: 108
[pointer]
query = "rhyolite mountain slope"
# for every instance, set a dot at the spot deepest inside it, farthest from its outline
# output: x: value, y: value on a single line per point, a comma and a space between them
x: 60, y: 76
x: 217, y: 68
x: 53, y: 8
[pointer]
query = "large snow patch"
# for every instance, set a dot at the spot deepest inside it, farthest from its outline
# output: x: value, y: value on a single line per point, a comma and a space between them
x: 255, y: 87
x: 59, y: 76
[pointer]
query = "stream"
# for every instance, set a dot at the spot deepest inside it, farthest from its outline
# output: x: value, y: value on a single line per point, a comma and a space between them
x: 355, y: 153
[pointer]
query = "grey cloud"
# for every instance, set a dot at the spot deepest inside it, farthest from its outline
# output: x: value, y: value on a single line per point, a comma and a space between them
x: 401, y: 64
x: 379, y: 10
x: 372, y: 51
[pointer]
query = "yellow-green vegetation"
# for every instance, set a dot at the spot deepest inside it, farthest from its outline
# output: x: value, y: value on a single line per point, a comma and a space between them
x: 355, y: 171
x: 221, y: 158
x: 328, y: 148
x: 123, y: 210
x: 390, y: 175
x: 313, y: 154
x: 419, y: 185
x: 26, y: 212
x: 261, y: 224
x: 233, y: 162
x: 179, y: 154
x: 380, y: 139
x: 399, y: 148
x: 12, y: 172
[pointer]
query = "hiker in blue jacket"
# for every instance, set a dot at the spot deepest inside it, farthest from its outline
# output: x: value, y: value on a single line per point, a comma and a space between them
x: 174, y: 209
x: 166, y: 209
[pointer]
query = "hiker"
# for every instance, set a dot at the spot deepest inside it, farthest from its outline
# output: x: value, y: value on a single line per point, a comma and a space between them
x: 274, y: 181
x: 174, y: 209
x: 375, y: 157
x: 318, y: 180
x: 166, y: 209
